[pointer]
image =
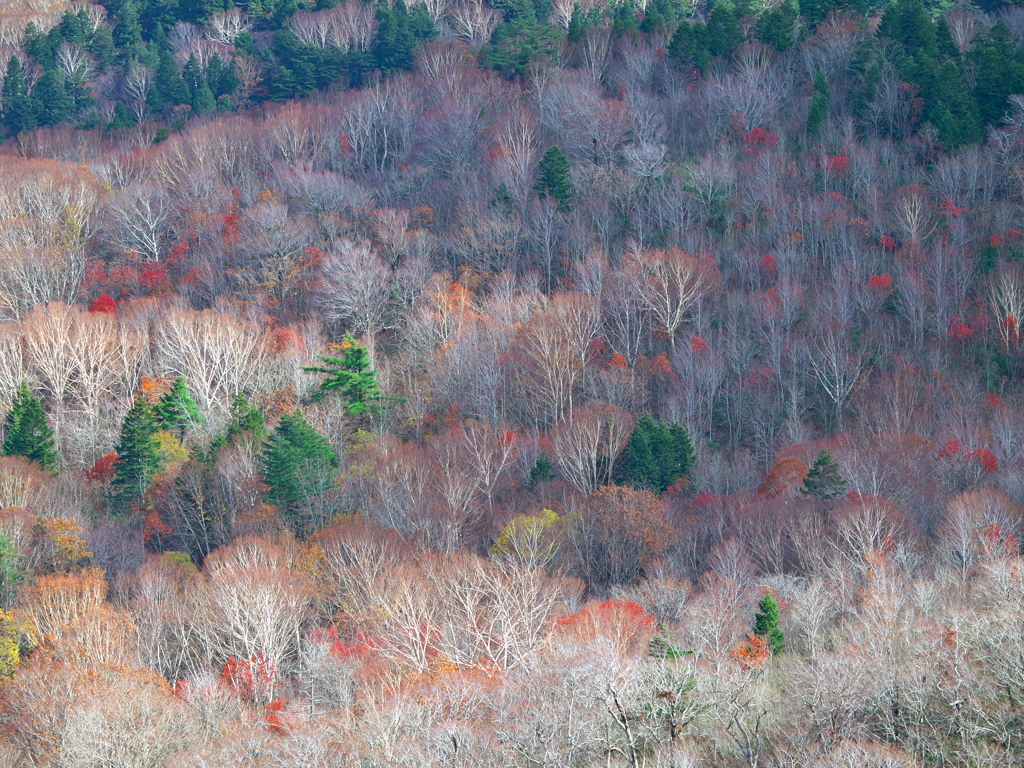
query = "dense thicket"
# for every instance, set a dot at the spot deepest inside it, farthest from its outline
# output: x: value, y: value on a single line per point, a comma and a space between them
x: 550, y: 384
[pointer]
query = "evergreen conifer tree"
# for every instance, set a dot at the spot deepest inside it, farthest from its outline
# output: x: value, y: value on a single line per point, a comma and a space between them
x: 169, y: 84
x: 543, y: 470
x: 299, y: 464
x: 101, y: 46
x: 27, y: 432
x: 350, y: 377
x: 245, y: 417
x: 54, y: 104
x: 724, y: 35
x: 176, y: 409
x: 657, y: 456
x: 19, y: 112
x: 137, y: 456
x: 775, y: 26
x: 514, y: 45
x: 766, y: 623
x: 689, y: 45
x: 823, y: 481
x: 38, y: 45
x: 819, y: 105
x: 74, y: 27
x: 553, y: 178
x: 127, y: 31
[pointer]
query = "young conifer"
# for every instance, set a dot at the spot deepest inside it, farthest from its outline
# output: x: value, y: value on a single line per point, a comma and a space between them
x: 27, y: 432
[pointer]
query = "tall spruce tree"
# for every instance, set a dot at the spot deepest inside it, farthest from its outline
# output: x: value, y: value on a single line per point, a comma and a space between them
x: 689, y: 46
x: 819, y: 104
x: 19, y: 111
x: 553, y: 178
x: 658, y: 456
x: 52, y: 100
x: 127, y: 30
x: 138, y: 456
x: 766, y: 623
x: 176, y: 410
x: 245, y: 417
x: 27, y: 432
x: 299, y: 466
x: 823, y: 481
x: 349, y: 377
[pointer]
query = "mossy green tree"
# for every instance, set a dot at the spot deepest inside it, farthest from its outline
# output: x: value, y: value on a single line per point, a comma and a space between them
x: 27, y: 432
x: 138, y: 457
x: 553, y: 179
x: 824, y: 481
x: 299, y: 468
x: 766, y: 623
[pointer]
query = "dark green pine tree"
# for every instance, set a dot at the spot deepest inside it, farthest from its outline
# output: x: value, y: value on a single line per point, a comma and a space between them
x: 819, y: 105
x: 52, y: 100
x: 295, y: 74
x: 245, y: 417
x: 246, y: 421
x: 775, y: 27
x: 997, y: 75
x: 944, y: 39
x: 553, y: 179
x: 299, y: 465
x: 74, y: 27
x: 399, y: 31
x: 176, y: 410
x: 27, y: 432
x: 169, y: 86
x: 203, y: 99
x: 724, y: 35
x: 19, y: 111
x: 658, y: 456
x: 766, y: 623
x: 824, y: 481
x: 638, y: 466
x: 543, y: 470
x: 349, y: 377
x: 160, y: 13
x: 960, y: 123
x: 683, y: 457
x: 101, y: 46
x: 127, y: 31
x: 137, y: 459
x: 907, y: 22
x: 516, y: 44
x: 38, y: 45
x: 689, y: 46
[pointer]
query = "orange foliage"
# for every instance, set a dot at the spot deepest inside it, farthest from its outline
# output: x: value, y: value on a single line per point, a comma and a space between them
x: 753, y: 652
x: 153, y: 388
x: 784, y: 478
x: 251, y: 678
x: 624, y: 622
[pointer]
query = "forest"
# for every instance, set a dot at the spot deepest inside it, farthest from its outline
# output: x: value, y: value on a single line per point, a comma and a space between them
x: 511, y: 384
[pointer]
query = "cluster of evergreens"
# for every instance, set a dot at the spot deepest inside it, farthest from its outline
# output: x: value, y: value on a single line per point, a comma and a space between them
x: 957, y: 93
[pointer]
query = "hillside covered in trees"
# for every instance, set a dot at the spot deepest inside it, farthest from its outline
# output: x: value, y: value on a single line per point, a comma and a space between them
x: 512, y: 384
